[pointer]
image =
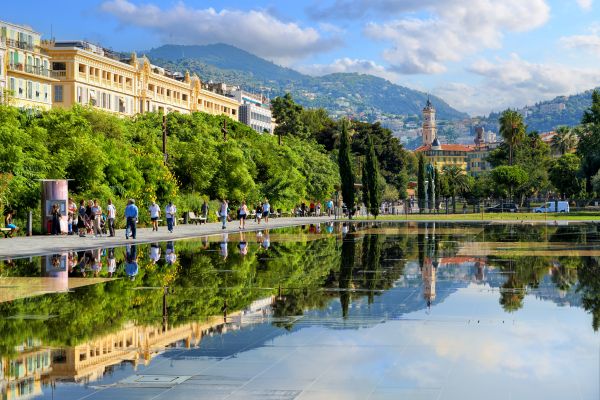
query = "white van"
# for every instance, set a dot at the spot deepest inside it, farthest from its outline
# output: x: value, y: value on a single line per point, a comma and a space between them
x: 563, y: 206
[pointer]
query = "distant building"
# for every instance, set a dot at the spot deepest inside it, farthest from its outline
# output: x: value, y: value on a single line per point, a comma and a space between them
x: 257, y: 117
x: 440, y: 155
x: 254, y: 110
x: 477, y: 163
x: 429, y: 124
x: 25, y: 67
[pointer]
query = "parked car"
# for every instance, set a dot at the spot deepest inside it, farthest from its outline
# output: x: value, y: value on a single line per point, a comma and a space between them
x: 563, y: 206
x: 504, y: 207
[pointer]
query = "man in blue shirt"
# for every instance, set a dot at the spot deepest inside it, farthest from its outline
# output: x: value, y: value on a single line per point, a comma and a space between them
x: 131, y: 213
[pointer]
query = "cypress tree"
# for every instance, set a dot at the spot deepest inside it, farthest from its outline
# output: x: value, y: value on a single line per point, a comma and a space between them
x: 365, y: 186
x: 421, y: 183
x: 431, y: 191
x: 374, y: 186
x: 438, y: 187
x: 345, y: 165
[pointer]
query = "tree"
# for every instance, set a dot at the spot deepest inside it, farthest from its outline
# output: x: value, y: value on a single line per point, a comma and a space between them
x: 592, y: 114
x: 421, y: 194
x: 287, y: 116
x: 345, y: 166
x: 507, y: 179
x: 564, y: 141
x: 373, y: 180
x: 512, y: 129
x: 457, y: 182
x: 564, y: 175
x: 431, y: 194
x: 588, y: 147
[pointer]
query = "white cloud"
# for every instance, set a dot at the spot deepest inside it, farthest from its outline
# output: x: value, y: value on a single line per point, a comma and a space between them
x: 589, y: 43
x: 452, y: 30
x: 350, y: 65
x: 255, y: 31
x: 515, y: 82
x: 585, y: 4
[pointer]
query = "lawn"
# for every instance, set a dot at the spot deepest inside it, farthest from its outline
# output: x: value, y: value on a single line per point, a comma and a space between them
x: 575, y: 216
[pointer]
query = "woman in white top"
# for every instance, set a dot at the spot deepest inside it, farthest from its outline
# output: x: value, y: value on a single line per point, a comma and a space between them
x: 243, y: 213
x: 154, y: 215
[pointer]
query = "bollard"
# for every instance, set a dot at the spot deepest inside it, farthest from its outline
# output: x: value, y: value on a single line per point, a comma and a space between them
x: 29, y: 223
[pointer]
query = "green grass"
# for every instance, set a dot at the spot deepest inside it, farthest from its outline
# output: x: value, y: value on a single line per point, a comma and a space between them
x: 575, y: 216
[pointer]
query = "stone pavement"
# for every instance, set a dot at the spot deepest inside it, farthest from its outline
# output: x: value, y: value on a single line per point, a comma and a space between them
x: 22, y: 246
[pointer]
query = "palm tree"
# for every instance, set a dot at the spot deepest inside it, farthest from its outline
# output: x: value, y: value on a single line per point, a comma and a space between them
x: 457, y: 182
x: 564, y: 141
x: 512, y: 130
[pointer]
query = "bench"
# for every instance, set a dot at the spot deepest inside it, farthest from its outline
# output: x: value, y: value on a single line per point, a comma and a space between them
x: 196, y: 220
x: 6, y: 231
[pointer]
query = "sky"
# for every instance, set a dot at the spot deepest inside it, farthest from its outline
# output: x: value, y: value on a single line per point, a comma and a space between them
x: 478, y: 55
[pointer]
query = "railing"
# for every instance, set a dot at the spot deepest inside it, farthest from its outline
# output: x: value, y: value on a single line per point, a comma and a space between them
x: 58, y: 74
x: 19, y: 44
x: 30, y: 69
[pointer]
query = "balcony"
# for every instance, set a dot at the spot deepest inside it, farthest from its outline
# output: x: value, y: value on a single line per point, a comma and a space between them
x: 30, y: 69
x: 19, y: 44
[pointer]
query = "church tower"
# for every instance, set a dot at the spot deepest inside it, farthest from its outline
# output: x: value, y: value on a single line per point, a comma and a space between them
x: 429, y: 126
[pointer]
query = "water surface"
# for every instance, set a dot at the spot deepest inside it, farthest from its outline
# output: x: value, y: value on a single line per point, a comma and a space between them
x: 367, y: 311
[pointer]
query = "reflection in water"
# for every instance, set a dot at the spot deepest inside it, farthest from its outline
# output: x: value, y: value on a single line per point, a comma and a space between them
x: 55, y: 329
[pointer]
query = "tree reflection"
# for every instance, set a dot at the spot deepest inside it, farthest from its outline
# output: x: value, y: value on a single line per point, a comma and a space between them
x: 589, y: 288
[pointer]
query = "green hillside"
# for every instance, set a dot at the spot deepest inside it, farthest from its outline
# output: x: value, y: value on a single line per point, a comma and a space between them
x: 358, y: 95
x: 548, y: 115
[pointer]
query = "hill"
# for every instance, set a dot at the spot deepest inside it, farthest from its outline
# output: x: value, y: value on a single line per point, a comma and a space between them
x: 358, y: 95
x: 548, y: 115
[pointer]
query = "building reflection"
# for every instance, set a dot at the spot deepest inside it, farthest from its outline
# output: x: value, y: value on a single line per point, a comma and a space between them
x: 36, y: 366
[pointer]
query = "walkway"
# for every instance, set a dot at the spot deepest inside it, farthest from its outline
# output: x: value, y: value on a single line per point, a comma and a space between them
x: 39, y: 245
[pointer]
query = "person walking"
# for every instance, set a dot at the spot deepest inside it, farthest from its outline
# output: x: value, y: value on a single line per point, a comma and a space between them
x: 131, y: 215
x: 154, y: 215
x: 223, y: 212
x: 112, y: 213
x: 170, y: 211
x: 243, y: 214
x: 258, y: 212
x: 81, y: 217
x: 89, y: 221
x: 266, y: 209
x: 329, y: 207
x: 97, y: 218
x: 204, y: 210
x: 56, y: 215
x: 71, y: 210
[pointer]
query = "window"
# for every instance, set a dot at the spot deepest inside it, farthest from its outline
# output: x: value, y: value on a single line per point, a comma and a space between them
x: 58, y: 93
x: 29, y: 90
x: 82, y: 68
x: 59, y: 66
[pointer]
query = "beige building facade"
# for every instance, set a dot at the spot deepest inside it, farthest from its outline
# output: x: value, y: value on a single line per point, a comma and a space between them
x: 26, y: 71
x: 91, y: 75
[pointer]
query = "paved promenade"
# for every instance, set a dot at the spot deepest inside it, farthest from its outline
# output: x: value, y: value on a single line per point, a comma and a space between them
x: 22, y: 246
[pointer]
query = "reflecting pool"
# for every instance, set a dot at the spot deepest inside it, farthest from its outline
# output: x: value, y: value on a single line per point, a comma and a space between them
x: 331, y: 311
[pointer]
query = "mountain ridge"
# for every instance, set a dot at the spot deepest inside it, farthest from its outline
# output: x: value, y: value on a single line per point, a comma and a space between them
x: 360, y: 95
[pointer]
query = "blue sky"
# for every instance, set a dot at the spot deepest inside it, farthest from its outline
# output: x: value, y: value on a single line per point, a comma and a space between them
x: 479, y: 55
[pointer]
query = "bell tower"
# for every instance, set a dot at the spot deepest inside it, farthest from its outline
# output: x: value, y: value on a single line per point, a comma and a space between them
x: 429, y: 126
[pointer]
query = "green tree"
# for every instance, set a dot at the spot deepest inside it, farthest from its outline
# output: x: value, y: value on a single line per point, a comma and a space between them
x: 457, y: 182
x: 512, y: 129
x: 592, y: 114
x: 421, y: 194
x: 287, y: 116
x: 508, y: 179
x: 345, y: 167
x: 564, y: 141
x: 564, y: 175
x: 373, y: 179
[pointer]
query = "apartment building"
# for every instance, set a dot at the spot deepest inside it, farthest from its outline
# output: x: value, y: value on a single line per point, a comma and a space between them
x: 88, y: 74
x: 26, y: 68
